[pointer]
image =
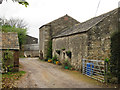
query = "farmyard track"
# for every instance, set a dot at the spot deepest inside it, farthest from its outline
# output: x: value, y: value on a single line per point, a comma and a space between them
x: 46, y: 75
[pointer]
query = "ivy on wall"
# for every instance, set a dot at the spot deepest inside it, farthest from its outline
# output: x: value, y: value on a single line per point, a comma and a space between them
x: 49, y: 51
x: 8, y: 61
x: 115, y: 58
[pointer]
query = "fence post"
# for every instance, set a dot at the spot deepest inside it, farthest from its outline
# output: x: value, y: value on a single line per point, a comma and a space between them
x: 83, y: 66
x: 106, y: 70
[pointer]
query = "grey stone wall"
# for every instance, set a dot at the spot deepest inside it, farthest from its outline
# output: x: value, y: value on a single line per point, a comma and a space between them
x: 31, y: 40
x: 31, y: 50
x: 62, y: 23
x: 53, y: 28
x: 33, y: 47
x: 45, y: 37
x: 31, y: 53
x: 93, y: 44
x: 77, y: 44
x: 99, y: 38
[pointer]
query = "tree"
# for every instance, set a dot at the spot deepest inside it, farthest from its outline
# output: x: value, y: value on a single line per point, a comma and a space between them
x: 23, y: 2
x: 2, y: 21
x: 19, y: 23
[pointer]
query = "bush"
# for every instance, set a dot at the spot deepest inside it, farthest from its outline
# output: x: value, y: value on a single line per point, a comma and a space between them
x: 67, y: 65
x: 54, y: 59
x: 8, y: 61
x: 63, y: 48
x: 49, y: 52
x: 115, y: 55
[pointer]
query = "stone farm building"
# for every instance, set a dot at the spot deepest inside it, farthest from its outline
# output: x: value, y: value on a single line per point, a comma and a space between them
x: 31, y: 40
x: 31, y: 47
x: 53, y: 28
x: 89, y: 40
x: 9, y: 41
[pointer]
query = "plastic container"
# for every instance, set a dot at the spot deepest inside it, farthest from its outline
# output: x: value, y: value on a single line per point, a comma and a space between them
x: 89, y: 70
x: 66, y: 67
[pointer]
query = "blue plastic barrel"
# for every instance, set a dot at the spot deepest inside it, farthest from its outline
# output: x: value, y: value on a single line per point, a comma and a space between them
x: 90, y: 67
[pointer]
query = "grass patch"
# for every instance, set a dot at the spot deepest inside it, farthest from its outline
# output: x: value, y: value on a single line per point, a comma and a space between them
x: 8, y: 79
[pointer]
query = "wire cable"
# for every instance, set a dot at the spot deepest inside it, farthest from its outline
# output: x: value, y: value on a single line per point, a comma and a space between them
x: 97, y: 8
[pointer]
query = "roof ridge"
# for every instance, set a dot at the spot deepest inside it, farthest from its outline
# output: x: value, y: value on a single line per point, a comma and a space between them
x: 58, y: 19
x: 81, y: 27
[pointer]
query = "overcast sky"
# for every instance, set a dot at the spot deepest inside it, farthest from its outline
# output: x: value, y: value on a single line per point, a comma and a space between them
x: 40, y: 12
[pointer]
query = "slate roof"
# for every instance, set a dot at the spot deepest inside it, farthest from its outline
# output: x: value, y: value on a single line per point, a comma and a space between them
x: 58, y: 25
x: 9, y: 41
x: 85, y: 26
x: 30, y: 40
x: 31, y: 36
x: 63, y: 18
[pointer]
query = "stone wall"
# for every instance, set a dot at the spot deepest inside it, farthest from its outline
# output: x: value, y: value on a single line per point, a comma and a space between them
x: 31, y: 40
x: 99, y: 38
x: 93, y: 44
x: 77, y: 44
x: 15, y: 60
x: 31, y: 53
x: 62, y: 23
x: 31, y: 50
x: 45, y: 37
x: 33, y: 47
x: 53, y: 28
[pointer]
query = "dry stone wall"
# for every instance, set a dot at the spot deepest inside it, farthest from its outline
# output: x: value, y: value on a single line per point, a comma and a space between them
x: 99, y: 38
x: 77, y: 44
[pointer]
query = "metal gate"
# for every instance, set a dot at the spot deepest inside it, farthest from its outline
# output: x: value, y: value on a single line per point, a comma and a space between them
x: 94, y: 69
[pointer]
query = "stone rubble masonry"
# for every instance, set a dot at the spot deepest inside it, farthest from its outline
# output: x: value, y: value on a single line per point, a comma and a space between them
x: 76, y: 44
x: 92, y: 44
x: 53, y: 28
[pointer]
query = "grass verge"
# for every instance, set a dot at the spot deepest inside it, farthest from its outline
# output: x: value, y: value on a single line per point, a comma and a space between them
x: 8, y: 79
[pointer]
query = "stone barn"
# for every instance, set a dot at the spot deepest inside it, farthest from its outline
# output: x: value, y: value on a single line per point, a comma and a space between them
x: 31, y: 40
x: 31, y: 50
x: 9, y: 43
x: 47, y: 31
x: 88, y: 40
x: 75, y: 41
x: 31, y: 47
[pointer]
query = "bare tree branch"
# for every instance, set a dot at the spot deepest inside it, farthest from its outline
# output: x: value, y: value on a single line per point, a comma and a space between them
x: 19, y: 23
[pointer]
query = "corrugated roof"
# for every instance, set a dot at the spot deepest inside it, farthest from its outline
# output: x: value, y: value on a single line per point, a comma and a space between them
x: 85, y: 26
x: 9, y: 41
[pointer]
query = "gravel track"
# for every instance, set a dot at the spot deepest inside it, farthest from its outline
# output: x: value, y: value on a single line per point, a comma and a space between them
x: 46, y: 75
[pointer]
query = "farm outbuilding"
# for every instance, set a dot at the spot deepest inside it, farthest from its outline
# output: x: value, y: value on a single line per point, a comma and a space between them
x: 82, y: 44
x: 31, y: 47
x: 9, y: 45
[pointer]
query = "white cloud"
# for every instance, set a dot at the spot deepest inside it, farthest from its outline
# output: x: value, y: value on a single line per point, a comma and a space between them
x: 40, y: 12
